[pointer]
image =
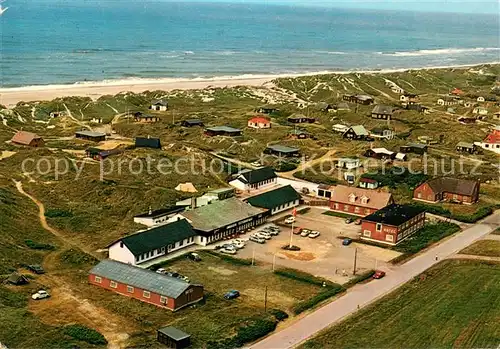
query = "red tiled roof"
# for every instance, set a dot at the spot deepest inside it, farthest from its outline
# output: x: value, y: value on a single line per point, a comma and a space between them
x: 367, y: 180
x: 493, y: 137
x: 355, y: 196
x: 259, y: 119
x: 23, y: 137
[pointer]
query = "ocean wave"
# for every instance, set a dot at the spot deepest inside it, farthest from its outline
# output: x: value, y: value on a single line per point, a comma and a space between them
x: 225, y: 53
x: 188, y: 52
x: 441, y: 51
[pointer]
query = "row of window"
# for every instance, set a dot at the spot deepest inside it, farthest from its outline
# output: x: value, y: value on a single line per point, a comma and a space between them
x: 281, y: 207
x: 486, y: 145
x: 130, y: 289
x: 410, y: 231
x: 267, y: 181
x: 388, y: 237
x: 357, y: 209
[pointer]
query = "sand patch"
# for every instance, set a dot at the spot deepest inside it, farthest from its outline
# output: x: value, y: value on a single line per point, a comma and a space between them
x: 276, y: 297
x: 6, y: 154
x: 222, y: 271
x: 112, y: 144
x: 299, y: 256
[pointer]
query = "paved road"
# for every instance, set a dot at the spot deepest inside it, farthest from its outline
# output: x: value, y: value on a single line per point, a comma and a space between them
x: 362, y: 295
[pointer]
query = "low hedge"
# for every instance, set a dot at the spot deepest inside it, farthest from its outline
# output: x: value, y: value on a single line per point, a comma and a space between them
x: 54, y: 213
x: 340, y: 214
x: 230, y: 259
x: 279, y: 315
x: 303, y: 277
x: 425, y: 237
x: 252, y: 330
x: 466, y: 218
x: 320, y: 297
x: 37, y: 246
x: 359, y: 278
x: 85, y: 334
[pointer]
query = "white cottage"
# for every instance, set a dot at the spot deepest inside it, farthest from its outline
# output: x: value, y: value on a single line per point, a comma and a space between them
x: 248, y: 180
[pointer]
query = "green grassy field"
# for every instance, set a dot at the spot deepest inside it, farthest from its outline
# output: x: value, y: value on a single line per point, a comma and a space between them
x: 453, y: 305
x: 489, y: 248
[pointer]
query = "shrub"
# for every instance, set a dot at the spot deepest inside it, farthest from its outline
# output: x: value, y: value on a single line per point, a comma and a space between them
x: 303, y: 277
x: 37, y: 246
x: 320, y: 297
x: 84, y: 334
x: 359, y: 278
x: 285, y: 167
x: 280, y: 315
x: 426, y: 236
x: 55, y: 213
x: 229, y: 259
x: 303, y: 210
x: 77, y: 258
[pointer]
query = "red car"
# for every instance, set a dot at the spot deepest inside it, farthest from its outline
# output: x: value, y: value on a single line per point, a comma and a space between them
x: 379, y: 274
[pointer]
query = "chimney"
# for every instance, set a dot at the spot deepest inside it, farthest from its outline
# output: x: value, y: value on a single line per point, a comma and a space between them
x: 193, y: 202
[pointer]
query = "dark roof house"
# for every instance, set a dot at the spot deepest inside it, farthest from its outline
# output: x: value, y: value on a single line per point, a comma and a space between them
x: 173, y: 337
x: 382, y: 112
x: 192, y: 122
x: 259, y: 175
x: 274, y: 198
x: 281, y: 150
x: 147, y: 142
x: 394, y: 214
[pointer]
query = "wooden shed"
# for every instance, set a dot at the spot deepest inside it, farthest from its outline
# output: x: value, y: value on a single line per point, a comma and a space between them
x: 173, y: 337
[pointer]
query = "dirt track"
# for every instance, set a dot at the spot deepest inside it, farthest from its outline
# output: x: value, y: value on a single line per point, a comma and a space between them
x: 64, y: 300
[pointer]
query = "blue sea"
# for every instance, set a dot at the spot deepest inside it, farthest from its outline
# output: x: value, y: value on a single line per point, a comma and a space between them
x: 73, y: 41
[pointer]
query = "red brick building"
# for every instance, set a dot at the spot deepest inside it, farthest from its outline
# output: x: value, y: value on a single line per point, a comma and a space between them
x: 145, y: 285
x: 358, y: 201
x: 392, y: 224
x: 448, y: 189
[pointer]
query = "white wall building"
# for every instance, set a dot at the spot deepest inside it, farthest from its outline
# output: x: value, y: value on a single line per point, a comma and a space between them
x: 249, y: 180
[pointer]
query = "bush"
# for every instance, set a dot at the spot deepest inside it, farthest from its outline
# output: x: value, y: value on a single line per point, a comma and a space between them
x: 280, y: 315
x: 359, y: 278
x: 303, y: 210
x: 397, y: 175
x: 285, y: 167
x: 55, y: 213
x: 77, y: 258
x: 37, y: 246
x: 466, y: 218
x: 340, y: 214
x: 313, y: 301
x: 84, y: 334
x: 229, y: 259
x: 249, y: 332
x: 303, y: 277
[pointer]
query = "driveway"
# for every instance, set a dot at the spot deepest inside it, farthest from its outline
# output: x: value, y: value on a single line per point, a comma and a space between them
x: 324, y: 256
x: 364, y: 294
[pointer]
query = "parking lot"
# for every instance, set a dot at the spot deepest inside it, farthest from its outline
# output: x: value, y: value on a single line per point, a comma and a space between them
x: 323, y: 256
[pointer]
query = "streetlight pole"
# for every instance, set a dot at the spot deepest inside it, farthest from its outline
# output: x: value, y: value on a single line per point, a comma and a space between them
x: 291, y: 236
x: 355, y: 260
x: 274, y: 261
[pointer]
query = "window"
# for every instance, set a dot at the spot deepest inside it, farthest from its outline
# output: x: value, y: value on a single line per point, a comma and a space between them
x: 158, y: 250
x: 389, y: 238
x: 130, y: 289
x: 356, y: 209
x: 321, y: 193
x: 146, y: 294
x: 163, y: 299
x: 367, y: 233
x: 97, y: 279
x: 112, y: 284
x: 379, y: 227
x: 346, y: 207
x: 121, y: 244
x: 336, y: 206
x: 419, y: 195
x: 181, y: 243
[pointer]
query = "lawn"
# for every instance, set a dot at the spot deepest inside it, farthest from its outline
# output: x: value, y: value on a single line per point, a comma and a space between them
x: 340, y: 214
x: 215, y: 319
x: 445, y: 307
x: 490, y: 248
x: 429, y: 234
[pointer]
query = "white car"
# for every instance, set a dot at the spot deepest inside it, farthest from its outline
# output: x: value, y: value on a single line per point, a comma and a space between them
x: 161, y: 271
x: 314, y: 234
x: 257, y: 239
x: 238, y: 243
x: 226, y: 251
x: 290, y: 220
x: 264, y: 235
x: 40, y: 295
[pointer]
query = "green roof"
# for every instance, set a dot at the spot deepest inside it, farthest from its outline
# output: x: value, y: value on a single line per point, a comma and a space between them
x: 220, y: 214
x: 274, y: 198
x: 174, y: 333
x: 157, y: 237
x: 257, y: 176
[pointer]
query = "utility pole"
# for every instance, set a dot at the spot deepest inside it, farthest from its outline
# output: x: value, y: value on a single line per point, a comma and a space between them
x: 355, y: 260
x: 265, y: 301
x: 253, y: 256
x: 291, y: 235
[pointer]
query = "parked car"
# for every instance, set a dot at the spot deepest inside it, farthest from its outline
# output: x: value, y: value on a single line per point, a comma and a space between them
x: 238, y: 243
x: 256, y: 164
x: 227, y: 251
x: 314, y: 234
x: 161, y: 271
x: 297, y: 230
x: 172, y: 274
x: 349, y: 220
x: 264, y: 235
x: 358, y: 222
x: 194, y: 257
x: 228, y: 246
x: 346, y: 241
x: 256, y: 239
x: 232, y: 294
x: 290, y: 220
x: 40, y: 295
x: 379, y: 274
x: 36, y: 268
x: 305, y: 232
x: 185, y: 278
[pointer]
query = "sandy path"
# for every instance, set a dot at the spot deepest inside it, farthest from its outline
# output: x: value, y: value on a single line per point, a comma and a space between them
x: 64, y: 300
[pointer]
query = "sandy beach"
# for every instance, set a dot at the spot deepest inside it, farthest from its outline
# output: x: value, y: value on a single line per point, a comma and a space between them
x: 11, y: 96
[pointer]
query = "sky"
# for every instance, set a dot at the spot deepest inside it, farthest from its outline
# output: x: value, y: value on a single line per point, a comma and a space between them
x: 470, y: 6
